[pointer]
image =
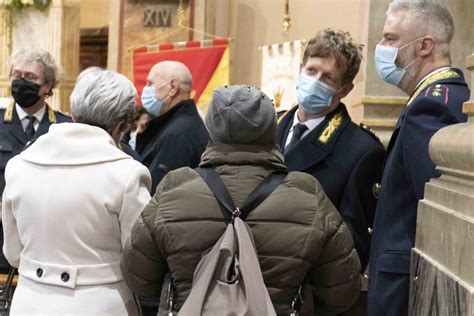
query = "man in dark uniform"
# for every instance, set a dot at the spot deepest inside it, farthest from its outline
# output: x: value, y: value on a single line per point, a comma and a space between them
x: 175, y: 137
x: 34, y: 75
x: 318, y: 136
x: 413, y: 55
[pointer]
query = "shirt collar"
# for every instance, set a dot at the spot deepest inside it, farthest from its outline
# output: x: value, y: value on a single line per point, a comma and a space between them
x: 22, y: 114
x: 430, y: 74
x: 311, y: 123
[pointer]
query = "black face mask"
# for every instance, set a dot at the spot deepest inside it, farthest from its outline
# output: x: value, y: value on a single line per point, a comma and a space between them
x: 25, y: 93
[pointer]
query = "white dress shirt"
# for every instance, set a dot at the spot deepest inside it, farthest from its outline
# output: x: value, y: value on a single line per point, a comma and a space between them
x: 311, y: 124
x: 23, y: 116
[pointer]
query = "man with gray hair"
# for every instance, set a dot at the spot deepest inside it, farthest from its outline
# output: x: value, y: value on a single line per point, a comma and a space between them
x: 34, y: 75
x: 413, y: 55
x: 176, y: 136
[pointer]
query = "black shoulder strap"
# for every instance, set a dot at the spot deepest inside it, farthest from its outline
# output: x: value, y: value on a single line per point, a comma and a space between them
x: 5, y: 297
x: 261, y: 192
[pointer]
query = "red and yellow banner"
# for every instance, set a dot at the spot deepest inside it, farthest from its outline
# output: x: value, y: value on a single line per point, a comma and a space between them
x: 207, y: 60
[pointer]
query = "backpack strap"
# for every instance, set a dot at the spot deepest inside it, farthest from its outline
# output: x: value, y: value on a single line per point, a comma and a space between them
x: 261, y: 192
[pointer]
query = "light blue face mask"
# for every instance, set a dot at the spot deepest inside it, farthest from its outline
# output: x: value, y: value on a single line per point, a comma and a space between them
x: 385, y: 57
x: 149, y: 101
x: 133, y: 140
x: 313, y: 95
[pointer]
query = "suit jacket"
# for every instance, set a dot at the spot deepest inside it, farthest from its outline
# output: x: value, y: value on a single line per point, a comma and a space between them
x: 436, y: 103
x: 347, y: 160
x: 173, y: 140
x: 13, y: 140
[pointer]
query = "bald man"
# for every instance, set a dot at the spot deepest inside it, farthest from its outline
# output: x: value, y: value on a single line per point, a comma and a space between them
x: 175, y: 137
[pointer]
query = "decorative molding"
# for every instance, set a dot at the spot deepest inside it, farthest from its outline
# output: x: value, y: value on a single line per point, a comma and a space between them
x: 468, y: 108
x: 379, y: 100
x: 470, y: 62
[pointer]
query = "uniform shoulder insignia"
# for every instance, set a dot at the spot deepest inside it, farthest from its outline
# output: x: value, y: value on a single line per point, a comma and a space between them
x: 369, y: 131
x: 439, y: 92
x: 427, y: 84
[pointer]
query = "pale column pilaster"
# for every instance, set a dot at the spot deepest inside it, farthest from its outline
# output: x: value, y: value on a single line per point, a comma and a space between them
x: 64, y: 45
x: 5, y: 50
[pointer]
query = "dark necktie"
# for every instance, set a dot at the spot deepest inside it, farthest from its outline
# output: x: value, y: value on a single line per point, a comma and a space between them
x: 298, y: 130
x: 30, y: 129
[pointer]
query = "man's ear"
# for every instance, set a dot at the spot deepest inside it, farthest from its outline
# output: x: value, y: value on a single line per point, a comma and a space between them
x: 175, y: 86
x: 347, y: 89
x: 426, y: 46
x: 49, y: 89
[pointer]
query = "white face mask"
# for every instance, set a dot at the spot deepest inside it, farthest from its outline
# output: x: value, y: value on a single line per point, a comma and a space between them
x: 385, y: 57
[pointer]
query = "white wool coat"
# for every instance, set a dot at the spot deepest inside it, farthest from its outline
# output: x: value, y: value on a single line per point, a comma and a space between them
x: 68, y: 207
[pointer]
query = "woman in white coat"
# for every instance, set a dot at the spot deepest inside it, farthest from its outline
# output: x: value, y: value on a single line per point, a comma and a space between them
x: 70, y: 201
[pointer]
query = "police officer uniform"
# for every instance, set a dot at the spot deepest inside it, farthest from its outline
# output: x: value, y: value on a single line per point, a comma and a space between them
x: 13, y: 139
x: 436, y: 103
x: 347, y: 160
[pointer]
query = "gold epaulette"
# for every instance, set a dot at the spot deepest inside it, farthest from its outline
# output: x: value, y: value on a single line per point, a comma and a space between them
x: 332, y: 126
x: 444, y: 74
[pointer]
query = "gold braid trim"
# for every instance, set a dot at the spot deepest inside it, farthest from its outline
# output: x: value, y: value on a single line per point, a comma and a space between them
x: 444, y: 74
x: 332, y: 126
x: 53, y: 119
x: 8, y: 116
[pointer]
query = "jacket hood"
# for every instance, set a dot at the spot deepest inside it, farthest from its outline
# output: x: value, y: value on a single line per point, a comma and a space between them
x: 239, y: 154
x: 73, y: 144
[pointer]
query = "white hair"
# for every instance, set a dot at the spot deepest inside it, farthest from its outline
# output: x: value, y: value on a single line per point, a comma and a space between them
x: 103, y: 98
x: 428, y: 16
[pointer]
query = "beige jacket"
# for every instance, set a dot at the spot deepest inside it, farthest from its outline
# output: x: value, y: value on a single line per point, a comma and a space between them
x: 299, y: 234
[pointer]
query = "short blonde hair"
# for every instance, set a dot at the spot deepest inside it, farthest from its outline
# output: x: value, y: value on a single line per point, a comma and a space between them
x: 341, y: 46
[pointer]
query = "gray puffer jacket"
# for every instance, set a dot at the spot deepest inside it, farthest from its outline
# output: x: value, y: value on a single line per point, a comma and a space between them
x: 299, y: 234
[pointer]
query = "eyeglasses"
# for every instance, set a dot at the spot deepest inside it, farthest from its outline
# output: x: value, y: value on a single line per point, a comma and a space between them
x: 29, y: 76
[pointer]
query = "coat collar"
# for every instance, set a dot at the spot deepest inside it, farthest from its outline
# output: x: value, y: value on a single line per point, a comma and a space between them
x: 72, y: 144
x: 157, y: 123
x: 319, y: 143
x: 448, y: 75
x: 13, y: 125
x: 238, y: 154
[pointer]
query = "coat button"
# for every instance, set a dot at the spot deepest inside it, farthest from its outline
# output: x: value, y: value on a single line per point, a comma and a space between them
x: 39, y: 272
x: 65, y: 276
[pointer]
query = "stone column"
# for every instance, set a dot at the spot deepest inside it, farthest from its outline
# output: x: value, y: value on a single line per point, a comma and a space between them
x: 442, y: 272
x: 55, y: 30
